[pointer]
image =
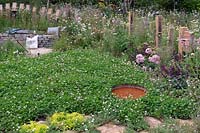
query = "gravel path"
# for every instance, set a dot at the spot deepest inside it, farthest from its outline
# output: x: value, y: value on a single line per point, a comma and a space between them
x: 39, y: 51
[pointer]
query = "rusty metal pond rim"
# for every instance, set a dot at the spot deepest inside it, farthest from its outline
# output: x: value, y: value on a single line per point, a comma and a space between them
x: 125, y: 91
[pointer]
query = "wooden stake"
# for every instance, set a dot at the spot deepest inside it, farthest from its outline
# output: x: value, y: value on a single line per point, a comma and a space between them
x: 58, y: 14
x: 14, y: 6
x: 21, y: 6
x: 34, y: 14
x: 158, y: 30
x: 43, y: 12
x: 7, y: 7
x: 180, y: 44
x: 131, y: 20
x: 49, y: 13
x: 171, y: 36
x: 1, y: 10
x: 28, y: 7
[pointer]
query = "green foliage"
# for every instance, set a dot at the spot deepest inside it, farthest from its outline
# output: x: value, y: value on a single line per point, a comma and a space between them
x: 173, y: 126
x: 10, y: 50
x: 166, y: 106
x: 64, y: 121
x: 34, y: 127
x: 62, y: 44
x: 78, y: 81
x: 168, y: 5
x: 116, y: 42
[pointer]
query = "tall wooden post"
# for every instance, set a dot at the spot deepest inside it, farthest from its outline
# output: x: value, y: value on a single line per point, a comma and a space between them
x: 1, y: 10
x: 180, y: 44
x: 158, y: 30
x: 47, y: 4
x: 34, y: 14
x: 28, y: 8
x: 58, y: 14
x: 43, y: 11
x: 21, y: 6
x: 14, y: 12
x: 171, y: 36
x: 7, y: 8
x: 49, y: 13
x: 131, y: 22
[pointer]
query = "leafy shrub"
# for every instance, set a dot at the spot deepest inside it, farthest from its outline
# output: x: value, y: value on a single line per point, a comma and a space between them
x: 146, y: 58
x: 116, y: 42
x: 64, y: 121
x: 176, y: 75
x: 34, y: 127
x: 62, y: 44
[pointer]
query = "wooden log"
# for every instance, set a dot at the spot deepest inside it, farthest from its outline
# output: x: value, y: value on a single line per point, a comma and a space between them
x: 158, y: 37
x: 131, y: 22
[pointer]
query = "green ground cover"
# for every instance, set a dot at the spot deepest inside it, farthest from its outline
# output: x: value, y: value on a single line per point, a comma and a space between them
x: 79, y: 81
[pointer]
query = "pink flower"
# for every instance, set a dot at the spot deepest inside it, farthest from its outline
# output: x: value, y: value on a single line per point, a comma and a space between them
x: 139, y: 58
x: 155, y: 59
x: 148, y: 51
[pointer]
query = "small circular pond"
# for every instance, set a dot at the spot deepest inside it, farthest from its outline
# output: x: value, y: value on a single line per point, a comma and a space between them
x: 129, y: 91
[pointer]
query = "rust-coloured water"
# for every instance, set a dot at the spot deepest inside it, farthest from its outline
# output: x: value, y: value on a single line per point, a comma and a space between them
x: 129, y: 91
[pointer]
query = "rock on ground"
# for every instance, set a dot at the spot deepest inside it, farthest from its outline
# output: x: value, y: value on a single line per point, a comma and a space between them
x: 111, y: 128
x: 185, y: 122
x: 153, y: 122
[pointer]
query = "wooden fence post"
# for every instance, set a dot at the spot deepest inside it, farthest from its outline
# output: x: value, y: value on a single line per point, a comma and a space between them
x: 28, y: 8
x: 13, y: 13
x: 34, y: 14
x: 171, y: 36
x: 21, y: 6
x: 180, y: 44
x: 43, y: 12
x: 158, y: 30
x: 68, y: 11
x: 14, y: 6
x: 1, y: 10
x: 7, y: 8
x: 131, y: 22
x: 58, y: 14
x: 49, y: 13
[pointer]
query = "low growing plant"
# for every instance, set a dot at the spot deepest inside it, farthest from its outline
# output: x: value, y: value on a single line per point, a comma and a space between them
x: 65, y: 121
x: 10, y: 50
x: 146, y: 57
x: 34, y: 127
